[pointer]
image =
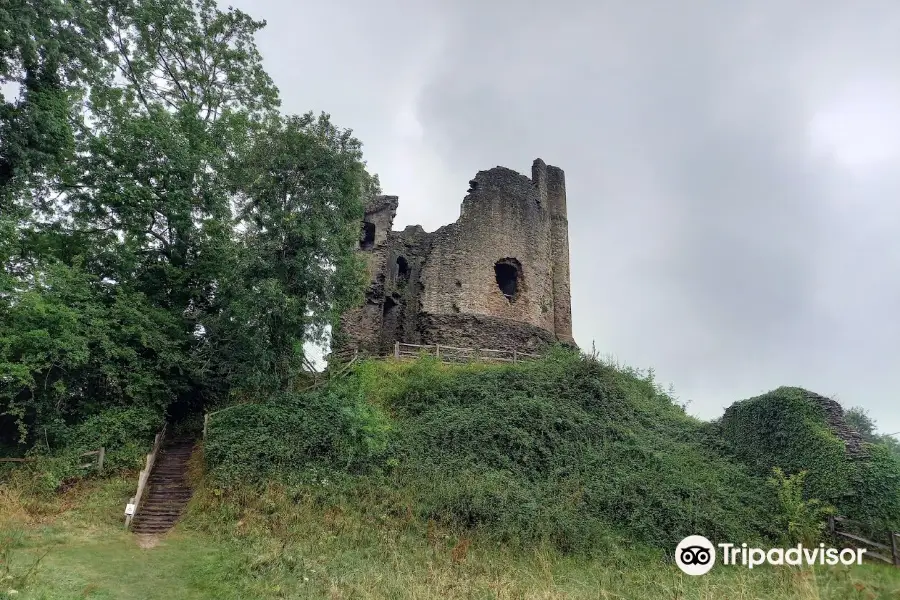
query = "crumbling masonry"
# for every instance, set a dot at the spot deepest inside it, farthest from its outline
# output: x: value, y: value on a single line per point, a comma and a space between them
x: 497, y: 278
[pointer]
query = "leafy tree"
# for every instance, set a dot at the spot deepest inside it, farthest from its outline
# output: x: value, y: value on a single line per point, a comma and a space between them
x: 72, y: 346
x: 300, y: 192
x: 48, y: 50
x: 858, y: 418
x: 156, y: 210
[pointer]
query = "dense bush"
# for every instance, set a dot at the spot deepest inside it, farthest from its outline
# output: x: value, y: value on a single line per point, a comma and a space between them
x: 562, y: 450
x: 876, y: 500
x: 295, y: 437
x: 785, y: 429
x: 126, y: 434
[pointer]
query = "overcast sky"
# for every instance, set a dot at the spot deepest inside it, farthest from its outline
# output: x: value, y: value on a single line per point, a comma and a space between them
x: 733, y: 173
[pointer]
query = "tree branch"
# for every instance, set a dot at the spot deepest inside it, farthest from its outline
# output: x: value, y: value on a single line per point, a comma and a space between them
x: 130, y: 73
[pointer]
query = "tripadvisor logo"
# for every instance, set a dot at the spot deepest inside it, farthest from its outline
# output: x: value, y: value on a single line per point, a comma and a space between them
x: 696, y: 555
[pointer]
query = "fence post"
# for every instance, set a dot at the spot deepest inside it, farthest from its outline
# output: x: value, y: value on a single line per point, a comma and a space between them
x: 397, y: 349
x: 831, y: 526
x: 437, y: 351
x: 205, y: 423
x: 100, y: 458
x: 514, y: 355
x: 894, y: 553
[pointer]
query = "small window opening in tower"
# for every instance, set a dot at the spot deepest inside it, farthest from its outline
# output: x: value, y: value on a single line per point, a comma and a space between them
x: 402, y: 270
x: 367, y: 239
x: 508, y: 272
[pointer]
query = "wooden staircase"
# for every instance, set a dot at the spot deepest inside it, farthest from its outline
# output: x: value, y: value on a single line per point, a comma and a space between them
x: 168, y: 490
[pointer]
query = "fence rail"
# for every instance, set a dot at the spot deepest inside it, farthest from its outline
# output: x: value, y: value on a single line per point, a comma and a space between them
x: 887, y: 550
x: 455, y: 354
x: 134, y: 505
x: 97, y: 462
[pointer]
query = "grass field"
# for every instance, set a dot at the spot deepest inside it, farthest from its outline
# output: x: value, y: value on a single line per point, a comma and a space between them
x: 322, y: 553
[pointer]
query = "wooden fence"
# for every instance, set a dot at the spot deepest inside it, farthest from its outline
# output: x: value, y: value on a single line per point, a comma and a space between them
x: 886, y: 550
x: 134, y: 504
x: 96, y: 463
x: 329, y: 376
x: 453, y: 354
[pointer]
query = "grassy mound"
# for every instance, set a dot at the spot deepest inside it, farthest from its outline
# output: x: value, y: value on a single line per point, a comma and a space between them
x: 278, y: 548
x: 563, y: 450
x: 789, y: 428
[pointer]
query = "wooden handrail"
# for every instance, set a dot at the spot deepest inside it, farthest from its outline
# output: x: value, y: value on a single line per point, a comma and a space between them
x: 135, y: 503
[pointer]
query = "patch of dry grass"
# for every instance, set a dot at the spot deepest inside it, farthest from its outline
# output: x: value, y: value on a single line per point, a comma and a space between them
x: 270, y: 545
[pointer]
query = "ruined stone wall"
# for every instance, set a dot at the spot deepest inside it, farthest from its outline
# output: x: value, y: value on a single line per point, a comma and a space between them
x: 496, y: 278
x: 407, y: 252
x: 361, y: 328
x: 501, y: 218
x: 834, y: 417
x: 559, y: 243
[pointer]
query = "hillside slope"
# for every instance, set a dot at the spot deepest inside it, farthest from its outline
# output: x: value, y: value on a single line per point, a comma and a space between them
x: 566, y: 449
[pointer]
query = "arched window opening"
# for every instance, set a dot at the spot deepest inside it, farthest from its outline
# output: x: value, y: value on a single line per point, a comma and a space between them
x: 508, y: 273
x: 367, y: 239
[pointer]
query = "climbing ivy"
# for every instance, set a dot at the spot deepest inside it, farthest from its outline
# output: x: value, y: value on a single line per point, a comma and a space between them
x: 785, y: 429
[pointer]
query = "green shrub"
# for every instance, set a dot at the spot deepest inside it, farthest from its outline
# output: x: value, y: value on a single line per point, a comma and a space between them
x: 785, y: 429
x: 799, y: 519
x: 126, y: 434
x: 877, y: 497
x: 295, y: 437
x: 564, y: 450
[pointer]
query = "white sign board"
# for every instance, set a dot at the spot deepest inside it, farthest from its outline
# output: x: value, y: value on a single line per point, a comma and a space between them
x: 129, y: 510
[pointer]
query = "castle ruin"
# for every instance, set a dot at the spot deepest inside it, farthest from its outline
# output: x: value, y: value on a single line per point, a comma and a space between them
x: 497, y: 278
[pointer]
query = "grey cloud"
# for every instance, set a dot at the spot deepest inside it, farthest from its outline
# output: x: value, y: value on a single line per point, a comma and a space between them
x: 709, y: 238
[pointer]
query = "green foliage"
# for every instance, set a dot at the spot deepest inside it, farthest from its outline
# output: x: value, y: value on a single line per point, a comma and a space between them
x: 300, y: 189
x: 49, y: 49
x: 71, y: 346
x: 785, y: 429
x: 125, y: 433
x: 167, y: 239
x: 56, y: 461
x: 877, y: 491
x: 858, y: 418
x: 296, y: 437
x: 560, y: 450
x: 800, y: 520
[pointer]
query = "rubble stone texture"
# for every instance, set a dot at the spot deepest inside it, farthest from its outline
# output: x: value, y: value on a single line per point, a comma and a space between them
x: 834, y: 417
x: 497, y: 278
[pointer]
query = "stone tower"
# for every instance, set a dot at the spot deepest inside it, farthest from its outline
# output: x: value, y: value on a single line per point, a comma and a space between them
x: 497, y: 278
